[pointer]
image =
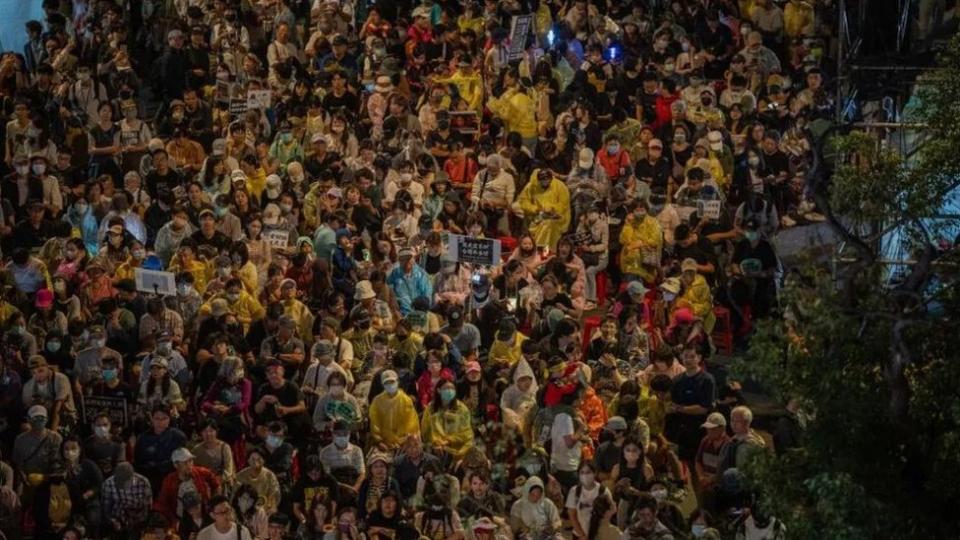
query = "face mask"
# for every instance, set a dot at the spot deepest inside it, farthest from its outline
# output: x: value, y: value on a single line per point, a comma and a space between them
x: 336, y: 390
x: 177, y: 116
x: 659, y: 494
x: 71, y: 455
x: 82, y: 208
x: 754, y: 161
x: 685, y: 46
x: 130, y: 114
x: 639, y: 215
x: 668, y: 297
x: 39, y: 169
x: 680, y: 138
x: 184, y: 289
x: 286, y: 137
x: 224, y: 272
x: 406, y: 177
x: 164, y: 347
x: 19, y: 329
x: 273, y: 441
x: 245, y: 503
x: 139, y: 254
x: 233, y: 297
x: 668, y: 68
x: 744, y: 30
x: 751, y: 236
x: 286, y: 208
x: 337, y: 129
x: 447, y: 394
x: 53, y: 346
x: 220, y: 211
x: 533, y: 468
x: 586, y: 478
x: 697, y: 530
x: 83, y: 77
x: 38, y: 422
x: 390, y: 388
x: 101, y: 431
x: 613, y: 149
x: 109, y: 374
x: 341, y: 441
x: 23, y: 170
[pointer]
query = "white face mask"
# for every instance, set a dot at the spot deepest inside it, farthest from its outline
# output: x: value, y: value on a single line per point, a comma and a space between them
x: 23, y: 170
x: 39, y: 169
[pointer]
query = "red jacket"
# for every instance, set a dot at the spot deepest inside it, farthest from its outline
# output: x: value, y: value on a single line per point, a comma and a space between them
x: 425, y: 385
x: 662, y: 106
x: 206, y: 483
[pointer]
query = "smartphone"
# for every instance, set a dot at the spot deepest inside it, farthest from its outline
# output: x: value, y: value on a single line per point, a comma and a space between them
x: 366, y: 255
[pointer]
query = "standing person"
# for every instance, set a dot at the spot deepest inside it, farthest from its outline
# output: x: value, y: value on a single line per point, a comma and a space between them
x: 580, y: 499
x: 154, y: 449
x: 223, y: 526
x: 694, y: 394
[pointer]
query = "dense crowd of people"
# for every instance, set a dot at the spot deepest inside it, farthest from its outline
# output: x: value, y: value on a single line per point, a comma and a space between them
x: 233, y: 300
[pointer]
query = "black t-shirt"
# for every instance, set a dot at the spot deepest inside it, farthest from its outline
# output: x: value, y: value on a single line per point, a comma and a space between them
x: 218, y: 240
x: 156, y: 181
x: 608, y: 455
x: 699, y: 389
x: 287, y: 395
x: 306, y: 489
x: 444, y: 142
x: 762, y: 252
x: 700, y: 251
x: 348, y: 102
x: 560, y: 299
x: 655, y: 174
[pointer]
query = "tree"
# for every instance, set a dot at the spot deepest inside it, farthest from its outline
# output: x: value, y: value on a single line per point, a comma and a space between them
x: 871, y: 350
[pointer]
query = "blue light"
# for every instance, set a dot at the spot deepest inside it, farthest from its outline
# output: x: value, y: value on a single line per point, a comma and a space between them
x: 550, y: 37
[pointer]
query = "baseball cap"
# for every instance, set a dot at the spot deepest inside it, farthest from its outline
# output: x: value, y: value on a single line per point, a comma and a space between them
x: 180, y: 455
x: 37, y: 410
x: 585, y: 159
x: 636, y: 288
x: 688, y: 264
x: 715, y: 420
x: 388, y: 376
x: 44, y: 298
x: 616, y: 423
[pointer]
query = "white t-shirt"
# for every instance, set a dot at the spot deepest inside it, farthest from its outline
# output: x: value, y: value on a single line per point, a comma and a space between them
x: 561, y: 457
x: 211, y: 533
x: 584, y: 503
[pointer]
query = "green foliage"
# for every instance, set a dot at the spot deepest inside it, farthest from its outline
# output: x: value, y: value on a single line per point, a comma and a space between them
x: 875, y: 368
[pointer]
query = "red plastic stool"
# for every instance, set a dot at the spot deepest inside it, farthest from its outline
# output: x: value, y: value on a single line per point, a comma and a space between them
x: 602, y: 282
x: 590, y: 324
x: 722, y: 331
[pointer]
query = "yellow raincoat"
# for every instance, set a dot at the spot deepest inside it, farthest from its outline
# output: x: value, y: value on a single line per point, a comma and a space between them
x: 502, y: 352
x: 450, y: 429
x: 517, y: 111
x: 196, y: 267
x: 642, y: 247
x: 246, y: 308
x: 698, y: 298
x: 299, y: 312
x: 534, y: 199
x: 470, y: 88
x: 392, y: 419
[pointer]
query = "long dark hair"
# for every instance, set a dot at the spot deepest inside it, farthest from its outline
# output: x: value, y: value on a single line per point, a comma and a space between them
x: 601, y: 505
x: 437, y: 403
x: 640, y: 461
